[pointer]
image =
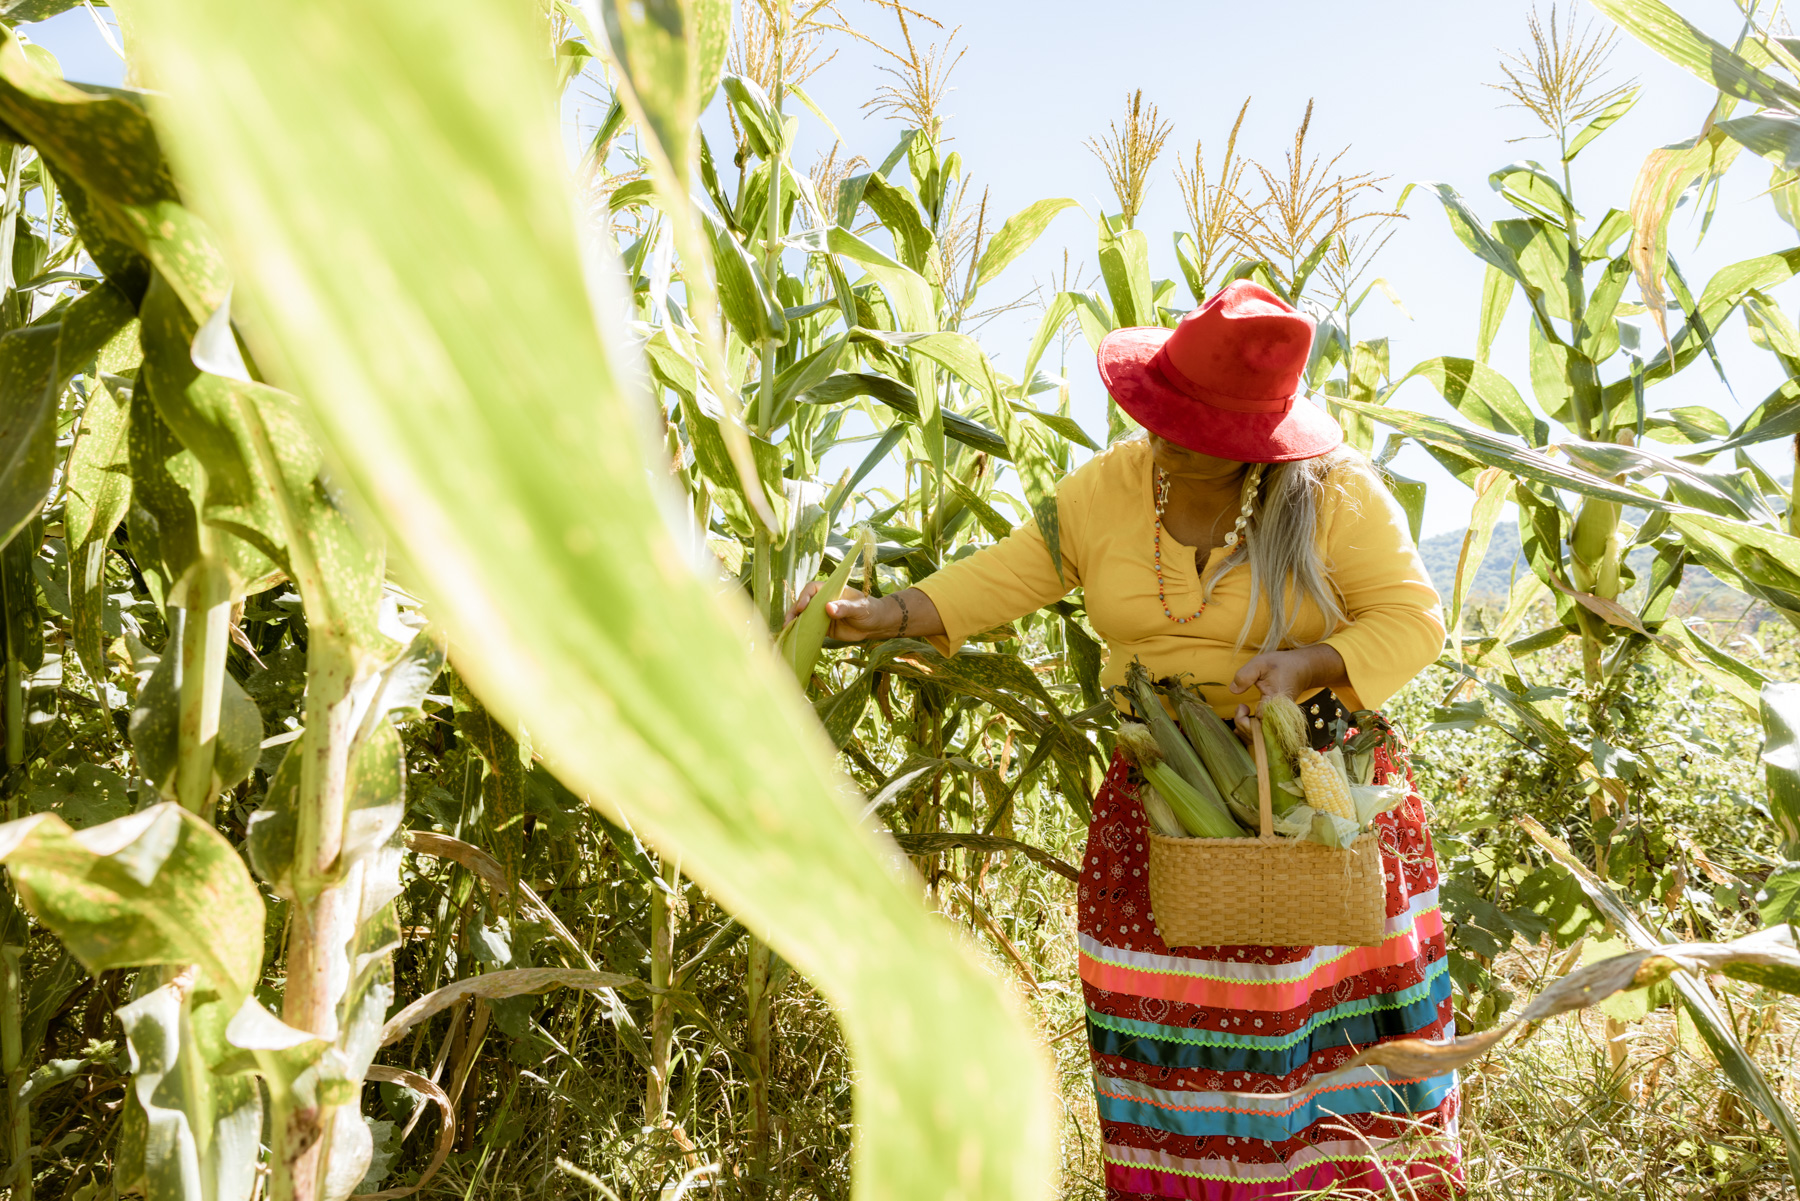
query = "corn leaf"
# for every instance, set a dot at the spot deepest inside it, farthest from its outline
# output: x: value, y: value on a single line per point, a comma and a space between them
x: 1482, y: 395
x: 1125, y: 268
x: 672, y: 53
x: 898, y: 210
x: 963, y: 357
x: 35, y: 366
x: 1491, y: 496
x: 205, y: 1126
x: 99, y: 495
x: 1670, y: 35
x: 1492, y: 450
x: 493, y: 433
x: 1773, y: 135
x: 1661, y: 181
x: 801, y: 640
x: 1016, y: 237
x: 158, y: 887
x: 1049, y: 326
x: 744, y: 296
x: 848, y: 385
x: 1781, y: 760
x: 1607, y: 117
x: 1471, y: 233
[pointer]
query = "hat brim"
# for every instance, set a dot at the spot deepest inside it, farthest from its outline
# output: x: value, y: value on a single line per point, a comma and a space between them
x: 1128, y: 368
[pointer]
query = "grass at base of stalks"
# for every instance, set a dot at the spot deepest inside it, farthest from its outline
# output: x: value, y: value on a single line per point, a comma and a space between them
x: 1551, y: 1120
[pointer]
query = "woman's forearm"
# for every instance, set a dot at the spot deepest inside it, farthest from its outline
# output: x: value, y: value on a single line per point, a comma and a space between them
x: 909, y: 613
x: 1323, y: 666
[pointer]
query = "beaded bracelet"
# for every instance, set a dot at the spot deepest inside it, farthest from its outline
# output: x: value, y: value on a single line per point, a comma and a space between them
x: 904, y: 615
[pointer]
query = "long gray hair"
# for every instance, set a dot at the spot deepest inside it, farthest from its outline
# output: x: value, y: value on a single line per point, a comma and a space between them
x: 1281, y: 544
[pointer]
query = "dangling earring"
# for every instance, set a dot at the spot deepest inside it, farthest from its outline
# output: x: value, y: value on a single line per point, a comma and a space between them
x: 1251, y: 481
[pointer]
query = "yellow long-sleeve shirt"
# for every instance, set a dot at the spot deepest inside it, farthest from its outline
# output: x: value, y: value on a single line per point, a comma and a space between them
x: 1106, y: 516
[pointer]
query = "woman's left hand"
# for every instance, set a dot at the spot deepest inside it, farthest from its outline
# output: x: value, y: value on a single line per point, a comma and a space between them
x: 1290, y: 673
x: 1286, y: 673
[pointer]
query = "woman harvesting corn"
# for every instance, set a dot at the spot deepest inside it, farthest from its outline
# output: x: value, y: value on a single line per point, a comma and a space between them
x: 1239, y: 542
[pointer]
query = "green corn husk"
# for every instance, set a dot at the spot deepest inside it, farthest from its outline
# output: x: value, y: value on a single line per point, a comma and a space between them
x: 1227, y: 759
x: 1196, y: 816
x: 1176, y: 750
x: 1284, y: 731
x: 1162, y: 817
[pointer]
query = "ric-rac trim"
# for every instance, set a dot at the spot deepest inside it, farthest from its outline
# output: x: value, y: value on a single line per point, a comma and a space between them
x: 1274, y: 1042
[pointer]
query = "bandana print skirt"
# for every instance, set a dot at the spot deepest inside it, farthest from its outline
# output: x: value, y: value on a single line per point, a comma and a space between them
x: 1193, y: 1047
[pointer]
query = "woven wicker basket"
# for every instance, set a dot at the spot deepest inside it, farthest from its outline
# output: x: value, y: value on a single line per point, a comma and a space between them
x: 1269, y: 891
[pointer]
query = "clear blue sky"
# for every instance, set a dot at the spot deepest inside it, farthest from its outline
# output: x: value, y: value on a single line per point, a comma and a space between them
x: 1400, y: 82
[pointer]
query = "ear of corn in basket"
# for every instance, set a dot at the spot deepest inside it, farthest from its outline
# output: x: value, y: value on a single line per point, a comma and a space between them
x: 1335, y: 817
x: 1177, y: 751
x: 1322, y: 779
x: 1226, y: 758
x: 1202, y: 777
x: 1194, y: 814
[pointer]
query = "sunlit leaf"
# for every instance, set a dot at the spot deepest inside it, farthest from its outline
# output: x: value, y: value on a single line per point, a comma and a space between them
x: 1482, y: 395
x: 158, y: 887
x: 493, y: 434
x: 1016, y: 236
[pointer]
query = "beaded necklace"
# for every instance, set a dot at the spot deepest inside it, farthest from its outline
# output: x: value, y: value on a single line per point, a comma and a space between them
x: 1251, y: 479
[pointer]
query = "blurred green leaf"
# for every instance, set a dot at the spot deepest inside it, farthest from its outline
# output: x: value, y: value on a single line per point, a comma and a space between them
x: 515, y: 430
x: 670, y: 54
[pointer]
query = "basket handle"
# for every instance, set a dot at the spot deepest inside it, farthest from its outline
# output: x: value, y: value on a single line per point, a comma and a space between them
x: 1264, y: 802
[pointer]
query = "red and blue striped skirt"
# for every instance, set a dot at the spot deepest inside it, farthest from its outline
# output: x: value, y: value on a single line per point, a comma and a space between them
x: 1202, y: 1055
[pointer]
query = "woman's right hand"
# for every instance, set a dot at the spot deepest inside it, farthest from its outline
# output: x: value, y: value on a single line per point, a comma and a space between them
x: 855, y: 617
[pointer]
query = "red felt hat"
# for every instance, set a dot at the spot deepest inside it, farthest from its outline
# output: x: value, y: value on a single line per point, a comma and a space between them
x: 1225, y: 381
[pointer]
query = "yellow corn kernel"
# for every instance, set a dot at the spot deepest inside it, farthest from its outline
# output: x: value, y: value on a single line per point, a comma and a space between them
x: 1325, y: 789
